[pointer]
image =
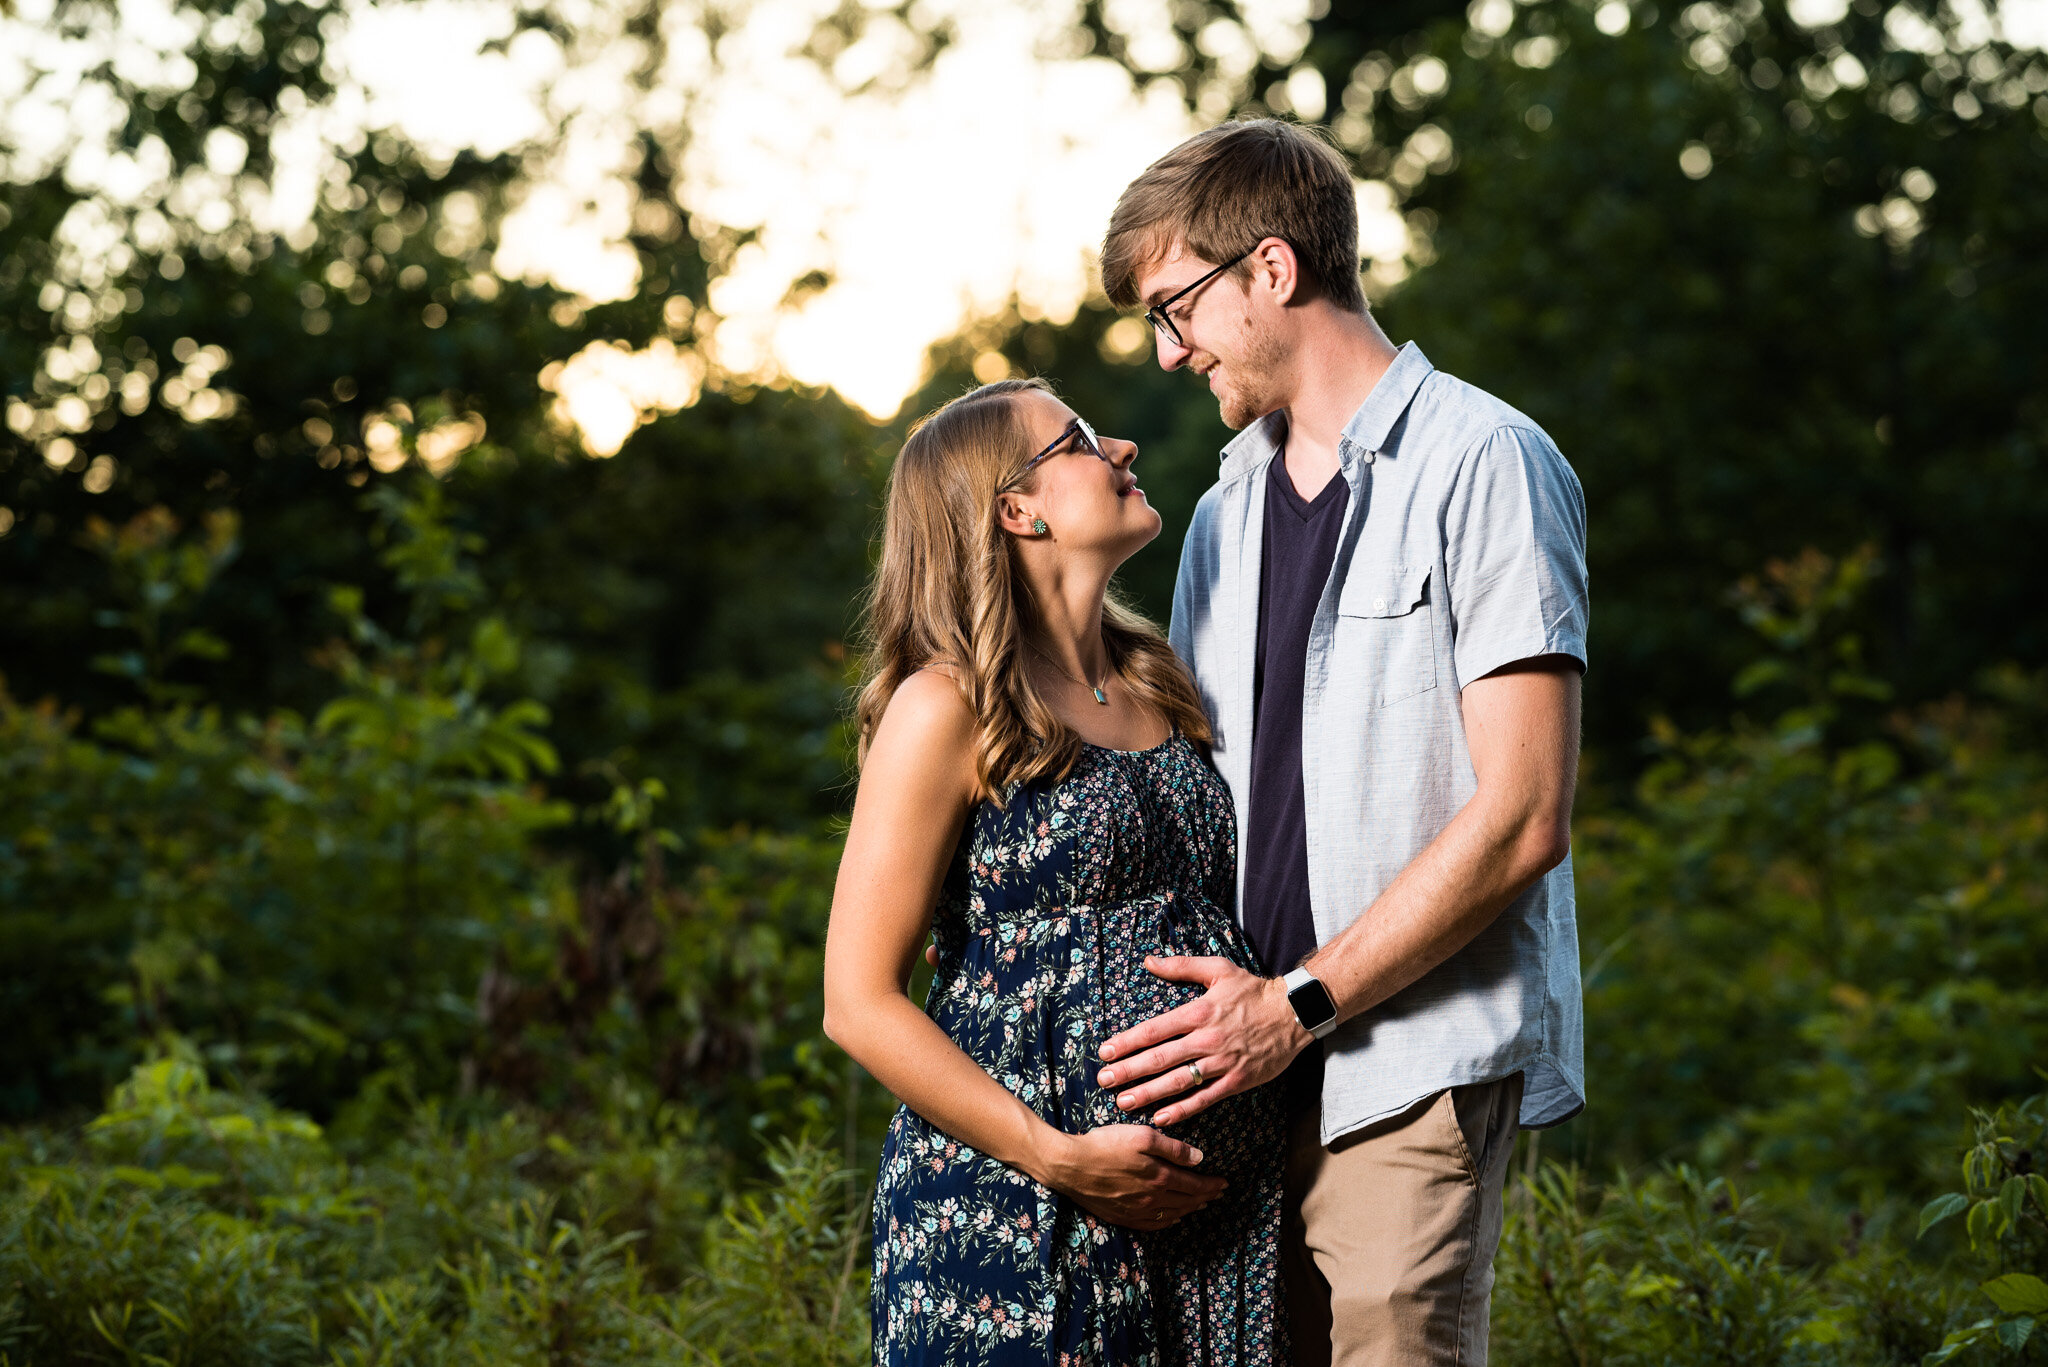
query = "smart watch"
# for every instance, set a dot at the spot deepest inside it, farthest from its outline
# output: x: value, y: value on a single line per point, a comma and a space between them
x: 1311, y: 1002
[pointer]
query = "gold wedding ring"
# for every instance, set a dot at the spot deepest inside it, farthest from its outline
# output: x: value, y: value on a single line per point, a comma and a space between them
x: 1195, y: 1073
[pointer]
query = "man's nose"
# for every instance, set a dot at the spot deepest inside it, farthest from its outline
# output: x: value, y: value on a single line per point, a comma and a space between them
x: 1172, y: 355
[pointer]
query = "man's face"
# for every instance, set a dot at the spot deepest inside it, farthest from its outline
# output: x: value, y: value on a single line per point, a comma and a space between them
x: 1221, y: 339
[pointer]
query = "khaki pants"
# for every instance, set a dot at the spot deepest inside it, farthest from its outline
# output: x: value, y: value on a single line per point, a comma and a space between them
x: 1389, y: 1235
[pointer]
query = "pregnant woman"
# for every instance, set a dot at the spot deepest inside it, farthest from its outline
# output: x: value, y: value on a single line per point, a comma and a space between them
x: 1035, y: 796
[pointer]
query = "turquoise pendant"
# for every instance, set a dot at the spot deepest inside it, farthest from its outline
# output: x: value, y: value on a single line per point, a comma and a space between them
x: 1099, y: 698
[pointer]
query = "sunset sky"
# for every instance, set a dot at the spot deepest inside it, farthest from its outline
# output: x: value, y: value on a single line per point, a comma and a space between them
x: 928, y: 199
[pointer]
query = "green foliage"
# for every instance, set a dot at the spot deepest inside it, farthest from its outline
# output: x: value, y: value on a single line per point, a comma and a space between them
x: 2004, y: 1206
x: 1680, y: 1267
x: 1811, y: 943
x: 705, y: 992
x: 785, y: 1275
x: 202, y: 1227
x: 687, y: 603
x: 311, y: 902
x: 1675, y: 1269
x: 156, y: 578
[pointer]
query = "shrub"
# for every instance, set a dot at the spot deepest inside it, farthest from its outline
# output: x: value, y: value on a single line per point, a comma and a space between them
x: 1811, y: 944
x: 191, y: 1225
x: 1675, y: 1269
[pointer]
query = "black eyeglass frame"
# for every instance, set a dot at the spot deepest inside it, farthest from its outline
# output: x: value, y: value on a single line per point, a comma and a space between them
x: 1092, y: 442
x: 1156, y: 315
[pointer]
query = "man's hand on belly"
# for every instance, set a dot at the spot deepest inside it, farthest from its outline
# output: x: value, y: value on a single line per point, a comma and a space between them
x: 1239, y: 1033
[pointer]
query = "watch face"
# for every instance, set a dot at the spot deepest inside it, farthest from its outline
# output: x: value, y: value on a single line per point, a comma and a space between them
x: 1312, y: 1005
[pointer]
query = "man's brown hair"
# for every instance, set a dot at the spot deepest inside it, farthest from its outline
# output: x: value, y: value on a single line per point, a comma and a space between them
x: 1223, y: 190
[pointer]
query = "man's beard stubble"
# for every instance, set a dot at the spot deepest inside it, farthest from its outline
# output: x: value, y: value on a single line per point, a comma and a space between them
x: 1249, y: 391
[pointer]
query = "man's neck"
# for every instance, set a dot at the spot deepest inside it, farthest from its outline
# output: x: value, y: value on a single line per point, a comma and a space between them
x: 1338, y: 360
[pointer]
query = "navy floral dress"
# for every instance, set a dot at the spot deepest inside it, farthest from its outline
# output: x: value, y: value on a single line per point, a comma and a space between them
x: 1043, y: 925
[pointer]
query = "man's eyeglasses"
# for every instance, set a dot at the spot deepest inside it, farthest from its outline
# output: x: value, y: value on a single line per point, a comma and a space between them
x: 1089, y: 443
x: 1156, y: 315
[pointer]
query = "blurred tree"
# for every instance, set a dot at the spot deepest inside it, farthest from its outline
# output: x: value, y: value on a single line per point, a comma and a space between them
x: 311, y: 901
x: 688, y: 600
x: 1767, y: 283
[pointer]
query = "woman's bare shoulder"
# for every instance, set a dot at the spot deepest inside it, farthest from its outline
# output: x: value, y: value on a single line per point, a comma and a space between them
x: 927, y: 717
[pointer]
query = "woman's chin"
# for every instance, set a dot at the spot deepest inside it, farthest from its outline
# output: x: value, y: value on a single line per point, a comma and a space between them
x: 1147, y: 529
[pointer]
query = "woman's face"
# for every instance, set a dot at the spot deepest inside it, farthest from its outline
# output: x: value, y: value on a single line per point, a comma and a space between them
x: 1091, y: 505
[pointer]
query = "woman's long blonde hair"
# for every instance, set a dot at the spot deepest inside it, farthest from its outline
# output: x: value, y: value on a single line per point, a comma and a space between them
x: 948, y: 591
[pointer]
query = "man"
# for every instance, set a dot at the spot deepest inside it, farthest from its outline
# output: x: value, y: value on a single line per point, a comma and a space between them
x: 1383, y: 600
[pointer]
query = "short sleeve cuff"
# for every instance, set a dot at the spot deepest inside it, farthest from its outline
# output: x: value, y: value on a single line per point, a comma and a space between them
x: 1477, y: 660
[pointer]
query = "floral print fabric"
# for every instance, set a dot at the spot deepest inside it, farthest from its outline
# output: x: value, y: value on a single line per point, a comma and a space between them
x: 1043, y: 925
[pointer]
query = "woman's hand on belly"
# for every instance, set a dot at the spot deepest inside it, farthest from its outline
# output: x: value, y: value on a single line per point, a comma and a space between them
x: 1130, y: 1175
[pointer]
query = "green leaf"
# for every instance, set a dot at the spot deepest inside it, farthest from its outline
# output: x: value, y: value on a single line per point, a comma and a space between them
x: 1759, y: 675
x: 1941, y: 1208
x: 202, y: 645
x: 2011, y: 1197
x: 495, y: 647
x: 1982, y: 1223
x: 1650, y: 1285
x: 2015, y: 1333
x: 2017, y: 1293
x: 189, y: 1179
x: 1957, y: 1342
x: 1821, y: 1329
x: 1847, y: 683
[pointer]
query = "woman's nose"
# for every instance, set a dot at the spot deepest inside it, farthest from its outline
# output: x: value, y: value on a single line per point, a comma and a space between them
x: 1122, y: 454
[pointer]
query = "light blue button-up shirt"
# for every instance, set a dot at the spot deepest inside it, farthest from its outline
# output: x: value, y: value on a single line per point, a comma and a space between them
x: 1463, y: 549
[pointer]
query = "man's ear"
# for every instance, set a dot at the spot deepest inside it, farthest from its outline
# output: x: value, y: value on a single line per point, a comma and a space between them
x: 1275, y: 271
x: 1011, y: 515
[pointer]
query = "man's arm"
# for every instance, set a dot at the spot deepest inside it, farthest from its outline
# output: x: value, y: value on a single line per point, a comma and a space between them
x: 1522, y: 730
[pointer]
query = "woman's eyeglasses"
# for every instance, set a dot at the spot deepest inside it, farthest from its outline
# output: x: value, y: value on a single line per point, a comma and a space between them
x: 1089, y: 443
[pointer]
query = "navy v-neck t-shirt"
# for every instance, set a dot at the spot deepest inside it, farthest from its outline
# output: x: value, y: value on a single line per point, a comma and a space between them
x: 1299, y: 546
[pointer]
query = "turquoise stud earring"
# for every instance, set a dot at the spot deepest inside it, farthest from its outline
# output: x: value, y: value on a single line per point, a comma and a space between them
x: 1038, y: 526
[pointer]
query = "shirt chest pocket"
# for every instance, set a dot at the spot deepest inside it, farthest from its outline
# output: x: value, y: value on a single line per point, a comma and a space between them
x: 1386, y: 633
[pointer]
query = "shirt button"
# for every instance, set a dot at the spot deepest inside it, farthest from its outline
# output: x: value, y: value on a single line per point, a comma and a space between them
x: 1379, y: 605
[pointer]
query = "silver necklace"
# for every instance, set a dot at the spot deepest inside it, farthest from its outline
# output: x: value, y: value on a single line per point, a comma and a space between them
x: 1096, y: 689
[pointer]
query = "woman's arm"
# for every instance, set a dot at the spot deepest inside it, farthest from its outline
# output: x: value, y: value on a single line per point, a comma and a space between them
x: 915, y: 792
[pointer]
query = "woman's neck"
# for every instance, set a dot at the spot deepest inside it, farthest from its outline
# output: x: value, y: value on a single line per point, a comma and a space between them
x: 1069, y: 627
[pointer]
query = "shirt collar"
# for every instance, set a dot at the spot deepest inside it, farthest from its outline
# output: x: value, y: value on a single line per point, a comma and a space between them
x: 1250, y: 449
x: 1374, y: 421
x: 1369, y: 426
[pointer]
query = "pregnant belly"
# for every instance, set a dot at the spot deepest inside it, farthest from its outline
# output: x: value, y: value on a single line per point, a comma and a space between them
x: 1237, y: 1135
x: 1033, y: 1000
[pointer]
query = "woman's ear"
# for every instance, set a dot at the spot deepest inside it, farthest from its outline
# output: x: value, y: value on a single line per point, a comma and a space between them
x: 1013, y: 517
